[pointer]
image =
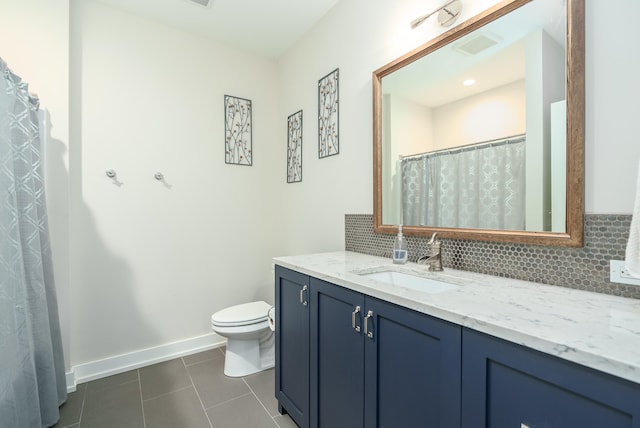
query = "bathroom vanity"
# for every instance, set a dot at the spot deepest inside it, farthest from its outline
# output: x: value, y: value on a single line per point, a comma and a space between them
x: 361, y: 342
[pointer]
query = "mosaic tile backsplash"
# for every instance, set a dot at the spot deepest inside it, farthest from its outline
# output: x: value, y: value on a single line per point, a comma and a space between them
x: 586, y: 268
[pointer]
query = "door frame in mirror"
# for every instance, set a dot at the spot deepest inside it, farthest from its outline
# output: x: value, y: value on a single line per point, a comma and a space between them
x: 573, y: 235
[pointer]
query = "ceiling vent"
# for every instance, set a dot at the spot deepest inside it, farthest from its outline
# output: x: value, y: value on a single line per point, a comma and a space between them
x: 478, y: 43
x: 204, y: 3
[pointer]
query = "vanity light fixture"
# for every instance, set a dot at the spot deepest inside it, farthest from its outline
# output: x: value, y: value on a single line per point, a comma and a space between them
x: 469, y: 82
x: 447, y: 14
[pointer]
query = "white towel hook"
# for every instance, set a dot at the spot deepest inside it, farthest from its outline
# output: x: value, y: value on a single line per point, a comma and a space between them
x: 111, y: 173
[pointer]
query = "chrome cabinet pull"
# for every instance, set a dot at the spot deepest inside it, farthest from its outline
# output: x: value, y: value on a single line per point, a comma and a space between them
x: 368, y: 332
x: 303, y: 300
x: 353, y: 319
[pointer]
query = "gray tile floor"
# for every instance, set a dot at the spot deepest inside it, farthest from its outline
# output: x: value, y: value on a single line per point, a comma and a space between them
x: 189, y: 392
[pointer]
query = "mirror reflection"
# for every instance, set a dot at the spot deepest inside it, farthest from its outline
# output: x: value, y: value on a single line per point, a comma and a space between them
x: 473, y: 135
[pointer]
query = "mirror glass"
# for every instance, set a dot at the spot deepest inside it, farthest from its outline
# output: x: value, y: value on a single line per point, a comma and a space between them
x: 479, y: 133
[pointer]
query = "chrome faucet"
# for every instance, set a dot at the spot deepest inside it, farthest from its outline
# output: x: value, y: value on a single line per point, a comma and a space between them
x: 433, y: 259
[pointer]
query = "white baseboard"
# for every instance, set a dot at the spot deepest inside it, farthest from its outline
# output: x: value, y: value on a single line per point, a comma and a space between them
x: 92, y: 370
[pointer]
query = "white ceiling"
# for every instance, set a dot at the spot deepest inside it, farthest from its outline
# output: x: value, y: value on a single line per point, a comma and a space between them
x: 267, y: 28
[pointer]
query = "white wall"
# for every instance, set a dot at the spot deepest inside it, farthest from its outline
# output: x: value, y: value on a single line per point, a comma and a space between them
x: 155, y: 259
x: 613, y: 89
x: 545, y: 64
x: 410, y: 126
x: 490, y: 115
x: 149, y: 264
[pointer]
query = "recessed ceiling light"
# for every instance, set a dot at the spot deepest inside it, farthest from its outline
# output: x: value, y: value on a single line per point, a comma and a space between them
x: 469, y: 82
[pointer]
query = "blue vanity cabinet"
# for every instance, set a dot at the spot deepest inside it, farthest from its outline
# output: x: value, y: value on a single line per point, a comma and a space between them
x: 375, y: 364
x: 337, y: 369
x: 412, y: 368
x: 506, y: 385
x: 292, y: 344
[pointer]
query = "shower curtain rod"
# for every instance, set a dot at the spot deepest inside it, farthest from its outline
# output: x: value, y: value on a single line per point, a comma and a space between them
x: 474, y: 146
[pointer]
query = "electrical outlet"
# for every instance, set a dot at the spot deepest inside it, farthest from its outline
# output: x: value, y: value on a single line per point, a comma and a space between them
x: 618, y: 273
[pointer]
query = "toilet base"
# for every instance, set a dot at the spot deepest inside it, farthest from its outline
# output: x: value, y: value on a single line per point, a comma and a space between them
x: 243, y: 358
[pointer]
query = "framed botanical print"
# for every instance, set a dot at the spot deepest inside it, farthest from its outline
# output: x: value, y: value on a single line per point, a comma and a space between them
x: 237, y: 131
x: 294, y: 147
x: 328, y: 109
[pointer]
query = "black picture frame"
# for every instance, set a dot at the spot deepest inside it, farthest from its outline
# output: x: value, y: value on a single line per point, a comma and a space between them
x: 294, y: 147
x: 328, y: 115
x: 238, y: 144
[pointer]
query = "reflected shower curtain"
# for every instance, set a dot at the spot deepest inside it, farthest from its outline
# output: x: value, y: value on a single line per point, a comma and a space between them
x: 471, y: 187
x: 32, y: 378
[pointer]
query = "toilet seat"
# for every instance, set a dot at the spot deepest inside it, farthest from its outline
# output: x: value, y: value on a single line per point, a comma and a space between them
x: 240, y: 315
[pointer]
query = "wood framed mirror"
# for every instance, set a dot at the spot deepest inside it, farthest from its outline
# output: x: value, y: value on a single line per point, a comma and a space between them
x: 546, y: 83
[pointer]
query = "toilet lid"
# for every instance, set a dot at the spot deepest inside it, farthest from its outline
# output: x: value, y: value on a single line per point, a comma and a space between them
x: 245, y: 314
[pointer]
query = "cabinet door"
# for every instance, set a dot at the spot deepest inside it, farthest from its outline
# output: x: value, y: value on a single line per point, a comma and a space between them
x: 292, y: 344
x: 336, y: 357
x: 507, y: 385
x: 412, y: 376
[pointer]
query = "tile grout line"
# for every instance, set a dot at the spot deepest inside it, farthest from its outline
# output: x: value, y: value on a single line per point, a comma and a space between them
x: 260, y: 401
x: 228, y: 401
x: 201, y: 361
x: 164, y: 394
x: 197, y: 393
x: 84, y: 396
x: 144, y: 418
x: 276, y: 422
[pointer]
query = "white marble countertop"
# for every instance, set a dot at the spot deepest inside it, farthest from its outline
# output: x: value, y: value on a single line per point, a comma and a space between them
x: 596, y: 330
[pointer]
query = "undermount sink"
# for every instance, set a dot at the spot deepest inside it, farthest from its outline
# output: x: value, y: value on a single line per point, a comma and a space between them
x: 413, y: 282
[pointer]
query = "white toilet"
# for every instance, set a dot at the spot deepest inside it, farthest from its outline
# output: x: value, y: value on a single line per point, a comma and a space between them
x: 250, y: 338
